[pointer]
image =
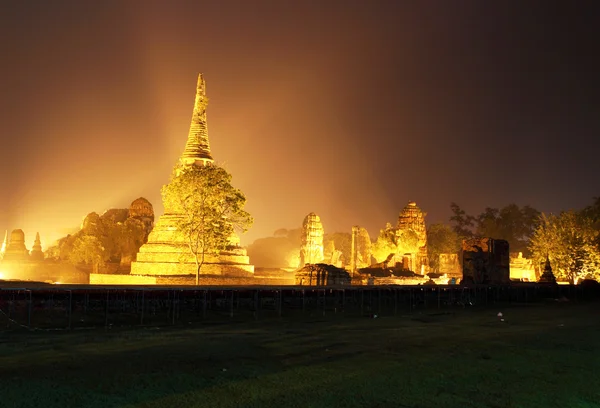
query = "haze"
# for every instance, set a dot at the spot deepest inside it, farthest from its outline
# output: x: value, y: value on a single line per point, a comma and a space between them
x: 346, y: 108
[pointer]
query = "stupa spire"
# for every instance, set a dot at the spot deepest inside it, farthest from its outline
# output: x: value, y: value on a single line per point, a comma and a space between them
x: 197, y: 147
x: 36, y: 251
x: 4, y: 243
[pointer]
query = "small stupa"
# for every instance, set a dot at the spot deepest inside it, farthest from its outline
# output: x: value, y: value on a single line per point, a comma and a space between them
x: 36, y: 253
x: 548, y: 275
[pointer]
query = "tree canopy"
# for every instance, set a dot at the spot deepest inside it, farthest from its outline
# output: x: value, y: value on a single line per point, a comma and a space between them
x: 570, y: 241
x: 441, y: 239
x: 512, y: 223
x: 210, y: 209
x: 87, y: 249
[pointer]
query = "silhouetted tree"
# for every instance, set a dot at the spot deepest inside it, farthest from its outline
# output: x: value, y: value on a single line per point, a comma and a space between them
x: 462, y: 223
x: 441, y: 239
x: 512, y: 223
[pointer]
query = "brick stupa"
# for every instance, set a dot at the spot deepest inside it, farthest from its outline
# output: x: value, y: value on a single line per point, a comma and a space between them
x: 166, y: 255
x: 16, y: 249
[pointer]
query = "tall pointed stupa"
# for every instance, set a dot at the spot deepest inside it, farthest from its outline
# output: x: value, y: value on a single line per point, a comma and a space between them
x: 197, y: 147
x: 166, y: 253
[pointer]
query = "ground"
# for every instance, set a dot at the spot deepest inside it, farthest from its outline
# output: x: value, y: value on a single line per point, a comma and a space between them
x: 542, y: 355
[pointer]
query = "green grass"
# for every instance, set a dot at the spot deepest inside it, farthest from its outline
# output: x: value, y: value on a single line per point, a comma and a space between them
x: 542, y: 356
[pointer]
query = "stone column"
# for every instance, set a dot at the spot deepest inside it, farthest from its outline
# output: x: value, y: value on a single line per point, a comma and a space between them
x: 354, y: 250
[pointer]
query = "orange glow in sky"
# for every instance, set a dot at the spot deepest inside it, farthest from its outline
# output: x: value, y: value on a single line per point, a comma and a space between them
x: 348, y: 109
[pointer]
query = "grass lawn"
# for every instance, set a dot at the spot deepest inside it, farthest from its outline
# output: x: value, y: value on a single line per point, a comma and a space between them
x: 545, y: 355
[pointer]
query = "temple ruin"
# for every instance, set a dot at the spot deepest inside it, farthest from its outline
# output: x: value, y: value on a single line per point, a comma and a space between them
x: 311, y: 250
x: 360, y: 256
x: 17, y: 263
x: 165, y: 258
x: 412, y: 221
x: 322, y: 275
x: 485, y: 261
x: 141, y: 209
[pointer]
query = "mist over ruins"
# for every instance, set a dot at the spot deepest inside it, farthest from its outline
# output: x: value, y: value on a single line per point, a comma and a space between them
x: 129, y: 247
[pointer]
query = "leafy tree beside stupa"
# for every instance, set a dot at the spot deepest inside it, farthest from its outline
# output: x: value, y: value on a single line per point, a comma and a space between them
x: 210, y: 209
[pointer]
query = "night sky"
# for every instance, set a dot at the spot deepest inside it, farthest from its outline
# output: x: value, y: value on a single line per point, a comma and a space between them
x: 346, y: 108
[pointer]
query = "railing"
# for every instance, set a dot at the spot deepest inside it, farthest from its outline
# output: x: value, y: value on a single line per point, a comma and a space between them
x: 78, y: 307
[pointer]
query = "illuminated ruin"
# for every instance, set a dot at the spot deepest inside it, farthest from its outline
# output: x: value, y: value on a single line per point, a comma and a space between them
x: 360, y: 255
x: 165, y: 258
x: 412, y: 220
x: 20, y: 264
x: 142, y: 210
x: 311, y: 251
x: 522, y: 268
x: 322, y: 275
x: 16, y: 249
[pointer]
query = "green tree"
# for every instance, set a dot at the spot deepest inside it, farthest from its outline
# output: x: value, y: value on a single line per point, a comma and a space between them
x: 462, y: 222
x: 130, y: 236
x: 386, y: 243
x: 88, y: 249
x: 569, y: 240
x: 512, y: 223
x: 593, y: 212
x: 210, y: 209
x: 441, y: 239
x: 407, y: 241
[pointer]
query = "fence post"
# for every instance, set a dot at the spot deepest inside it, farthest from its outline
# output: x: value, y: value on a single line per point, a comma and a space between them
x: 142, y: 311
x: 231, y: 304
x: 106, y: 310
x: 29, y: 309
x: 173, y: 308
x: 9, y: 315
x: 280, y: 301
x: 70, y: 311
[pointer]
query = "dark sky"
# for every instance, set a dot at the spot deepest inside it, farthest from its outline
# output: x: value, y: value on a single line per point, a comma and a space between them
x: 346, y: 108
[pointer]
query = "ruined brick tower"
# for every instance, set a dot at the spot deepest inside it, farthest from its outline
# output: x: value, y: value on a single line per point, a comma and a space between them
x: 311, y: 251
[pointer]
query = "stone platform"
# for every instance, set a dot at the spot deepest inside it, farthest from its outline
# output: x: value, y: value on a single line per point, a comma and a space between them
x: 166, y: 254
x: 261, y: 278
